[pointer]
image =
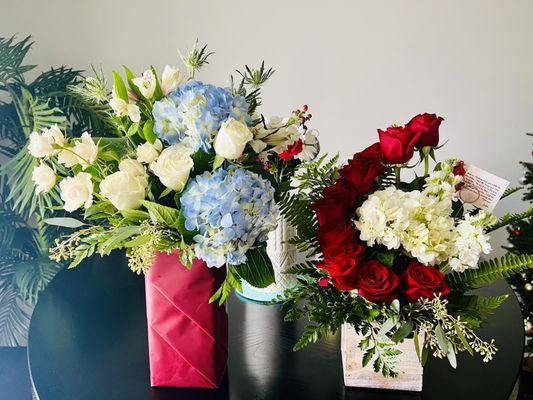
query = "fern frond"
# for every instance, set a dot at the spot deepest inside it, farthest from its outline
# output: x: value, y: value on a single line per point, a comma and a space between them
x: 511, y: 190
x: 490, y: 271
x: 510, y: 219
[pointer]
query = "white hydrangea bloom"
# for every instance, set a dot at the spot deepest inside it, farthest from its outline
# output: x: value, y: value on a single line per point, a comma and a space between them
x: 421, y: 224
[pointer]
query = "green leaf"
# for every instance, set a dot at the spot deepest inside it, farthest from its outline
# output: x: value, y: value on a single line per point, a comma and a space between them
x: 464, y: 341
x: 386, y: 327
x: 219, y: 160
x: 395, y: 306
x: 368, y: 356
x: 416, y: 342
x: 386, y: 257
x: 132, y: 130
x: 403, y: 331
x: 202, y: 162
x: 425, y: 355
x: 138, y: 241
x: 120, y: 87
x: 130, y: 76
x: 148, y: 131
x: 135, y: 216
x: 117, y: 240
x: 451, y: 356
x: 64, y: 221
x: 162, y: 214
x: 257, y: 270
x: 441, y: 338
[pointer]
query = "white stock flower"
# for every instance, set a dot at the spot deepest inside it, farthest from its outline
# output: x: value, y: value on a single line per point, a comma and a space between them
x: 122, y: 108
x: 441, y: 183
x: 126, y: 188
x: 170, y: 79
x: 173, y: 166
x: 44, y: 178
x: 148, y: 153
x: 146, y: 83
x: 231, y: 139
x: 470, y: 241
x: 86, y: 150
x: 77, y: 191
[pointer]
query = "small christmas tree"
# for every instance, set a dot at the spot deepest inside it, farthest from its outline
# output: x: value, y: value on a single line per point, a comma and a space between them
x: 521, y: 242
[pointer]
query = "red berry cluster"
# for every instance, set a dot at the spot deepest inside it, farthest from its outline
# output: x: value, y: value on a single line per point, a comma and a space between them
x: 302, y: 115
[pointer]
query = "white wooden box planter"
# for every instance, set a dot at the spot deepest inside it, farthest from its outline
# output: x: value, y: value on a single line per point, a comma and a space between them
x: 355, y: 375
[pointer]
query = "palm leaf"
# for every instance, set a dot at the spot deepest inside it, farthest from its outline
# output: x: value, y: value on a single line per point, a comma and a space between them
x: 12, y: 54
x: 14, y: 319
x: 32, y: 277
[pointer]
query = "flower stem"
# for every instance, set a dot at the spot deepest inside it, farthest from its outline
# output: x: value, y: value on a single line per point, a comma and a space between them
x: 397, y: 170
x: 426, y: 165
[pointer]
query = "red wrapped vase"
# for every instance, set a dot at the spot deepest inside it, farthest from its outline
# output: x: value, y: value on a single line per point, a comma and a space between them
x: 187, y: 336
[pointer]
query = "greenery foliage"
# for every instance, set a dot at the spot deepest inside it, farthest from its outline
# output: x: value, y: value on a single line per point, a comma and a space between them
x: 25, y: 268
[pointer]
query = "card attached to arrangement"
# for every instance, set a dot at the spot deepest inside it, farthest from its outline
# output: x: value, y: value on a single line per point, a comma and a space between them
x: 482, y: 189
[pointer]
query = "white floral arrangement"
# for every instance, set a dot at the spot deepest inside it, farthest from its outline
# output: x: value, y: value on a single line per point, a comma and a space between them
x: 193, y: 167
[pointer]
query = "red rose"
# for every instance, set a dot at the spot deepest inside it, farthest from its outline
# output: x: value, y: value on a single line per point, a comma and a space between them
x: 336, y: 236
x: 377, y: 282
x: 342, y: 266
x: 423, y: 281
x: 292, y: 150
x: 428, y: 126
x: 363, y: 168
x: 335, y: 204
x: 398, y: 144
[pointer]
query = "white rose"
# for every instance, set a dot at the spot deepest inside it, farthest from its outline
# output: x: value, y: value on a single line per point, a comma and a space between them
x: 132, y: 167
x: 231, y: 139
x: 55, y: 136
x: 173, y: 166
x: 86, y: 150
x: 39, y: 146
x: 77, y: 191
x: 67, y: 158
x: 121, y: 108
x: 44, y: 178
x: 170, y: 79
x: 125, y: 189
x: 146, y: 83
x: 147, y: 152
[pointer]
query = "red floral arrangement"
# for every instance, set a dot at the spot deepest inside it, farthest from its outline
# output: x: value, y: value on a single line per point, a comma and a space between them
x: 387, y: 256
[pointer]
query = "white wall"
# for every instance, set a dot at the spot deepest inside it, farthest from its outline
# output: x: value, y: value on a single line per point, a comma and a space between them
x: 359, y: 65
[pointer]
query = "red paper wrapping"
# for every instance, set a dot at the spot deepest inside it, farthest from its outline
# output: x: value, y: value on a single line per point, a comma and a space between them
x: 187, y: 336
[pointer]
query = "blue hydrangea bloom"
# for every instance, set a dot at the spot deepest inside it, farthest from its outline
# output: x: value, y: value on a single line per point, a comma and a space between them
x: 232, y: 209
x: 193, y: 113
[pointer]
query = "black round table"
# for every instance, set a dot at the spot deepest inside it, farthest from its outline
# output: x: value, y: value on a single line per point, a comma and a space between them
x: 88, y: 341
